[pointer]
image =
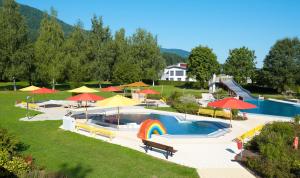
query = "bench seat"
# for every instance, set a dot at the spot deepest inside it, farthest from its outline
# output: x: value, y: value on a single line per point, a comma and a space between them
x: 150, y: 145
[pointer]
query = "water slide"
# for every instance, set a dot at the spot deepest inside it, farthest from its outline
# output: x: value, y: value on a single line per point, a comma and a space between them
x: 237, y: 89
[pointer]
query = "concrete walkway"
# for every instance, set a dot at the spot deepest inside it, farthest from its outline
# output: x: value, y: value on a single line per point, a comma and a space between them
x: 212, y: 157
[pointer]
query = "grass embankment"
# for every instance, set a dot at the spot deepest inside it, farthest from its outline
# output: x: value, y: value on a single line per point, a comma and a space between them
x: 76, y: 155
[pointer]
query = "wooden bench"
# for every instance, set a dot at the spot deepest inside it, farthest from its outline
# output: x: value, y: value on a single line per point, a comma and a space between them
x: 150, y: 145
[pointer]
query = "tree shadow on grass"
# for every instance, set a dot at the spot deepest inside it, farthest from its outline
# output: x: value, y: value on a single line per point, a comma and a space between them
x: 78, y: 171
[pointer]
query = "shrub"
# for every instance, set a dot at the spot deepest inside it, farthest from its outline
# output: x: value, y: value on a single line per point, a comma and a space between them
x: 276, y: 156
x: 297, y: 119
x: 8, y: 142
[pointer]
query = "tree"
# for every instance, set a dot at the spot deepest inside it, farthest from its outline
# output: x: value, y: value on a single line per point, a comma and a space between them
x: 48, y: 50
x: 172, y: 58
x: 240, y: 64
x: 126, y: 71
x: 202, y: 64
x: 75, y: 55
x: 14, y: 58
x: 146, y: 53
x: 100, y: 50
x: 281, y: 65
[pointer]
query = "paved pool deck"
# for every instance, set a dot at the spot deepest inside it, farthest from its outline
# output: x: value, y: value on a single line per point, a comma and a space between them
x: 212, y: 157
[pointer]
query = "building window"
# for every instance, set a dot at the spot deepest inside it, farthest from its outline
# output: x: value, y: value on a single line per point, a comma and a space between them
x: 167, y: 78
x: 171, y: 79
x: 179, y: 79
x: 171, y: 73
x: 179, y: 73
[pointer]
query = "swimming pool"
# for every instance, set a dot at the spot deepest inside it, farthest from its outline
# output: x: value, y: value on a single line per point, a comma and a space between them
x: 173, y: 125
x: 274, y: 108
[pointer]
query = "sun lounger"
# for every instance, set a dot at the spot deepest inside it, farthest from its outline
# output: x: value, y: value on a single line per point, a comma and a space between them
x: 223, y: 114
x: 30, y: 105
x: 95, y: 130
x: 104, y: 132
x: 213, y: 113
x: 150, y: 145
x: 250, y: 133
x: 206, y: 111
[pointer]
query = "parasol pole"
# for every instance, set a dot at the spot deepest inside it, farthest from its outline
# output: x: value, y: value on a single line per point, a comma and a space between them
x: 118, y: 116
x: 230, y: 118
x: 86, y: 116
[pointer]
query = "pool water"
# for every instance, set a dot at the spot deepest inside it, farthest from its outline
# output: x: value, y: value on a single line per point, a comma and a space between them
x: 175, y: 126
x: 274, y: 108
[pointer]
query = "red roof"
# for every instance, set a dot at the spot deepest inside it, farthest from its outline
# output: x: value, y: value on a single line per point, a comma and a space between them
x: 111, y: 88
x: 85, y: 97
x: 231, y: 103
x: 149, y: 91
x: 44, y: 91
x: 183, y: 65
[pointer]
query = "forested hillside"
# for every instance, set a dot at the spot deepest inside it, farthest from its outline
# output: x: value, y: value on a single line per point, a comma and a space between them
x: 33, y: 18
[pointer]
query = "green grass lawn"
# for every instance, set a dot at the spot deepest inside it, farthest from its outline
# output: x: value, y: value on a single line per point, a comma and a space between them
x: 169, y: 109
x: 167, y: 90
x: 77, y: 155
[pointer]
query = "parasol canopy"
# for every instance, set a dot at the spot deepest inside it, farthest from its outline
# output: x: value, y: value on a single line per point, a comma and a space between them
x: 149, y: 91
x: 30, y: 88
x: 85, y: 97
x: 111, y: 89
x: 43, y: 91
x: 231, y: 103
x: 135, y: 84
x: 117, y: 101
x: 83, y: 89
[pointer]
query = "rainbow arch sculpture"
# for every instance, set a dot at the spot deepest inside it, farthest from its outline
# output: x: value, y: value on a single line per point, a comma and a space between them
x: 149, y: 127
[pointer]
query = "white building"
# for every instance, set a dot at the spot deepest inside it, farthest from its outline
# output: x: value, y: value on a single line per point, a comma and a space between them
x: 176, y: 73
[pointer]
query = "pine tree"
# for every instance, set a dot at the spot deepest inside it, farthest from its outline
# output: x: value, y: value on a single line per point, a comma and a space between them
x: 75, y: 56
x: 146, y: 53
x: 48, y: 50
x: 100, y: 50
x: 125, y: 69
x: 14, y: 47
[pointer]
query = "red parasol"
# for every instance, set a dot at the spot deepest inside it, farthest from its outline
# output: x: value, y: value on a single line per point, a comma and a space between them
x: 44, y: 91
x: 149, y: 91
x: 86, y: 97
x: 111, y: 89
x: 231, y: 103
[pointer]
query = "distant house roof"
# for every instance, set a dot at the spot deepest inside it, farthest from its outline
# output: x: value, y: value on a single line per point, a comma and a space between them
x: 178, y: 66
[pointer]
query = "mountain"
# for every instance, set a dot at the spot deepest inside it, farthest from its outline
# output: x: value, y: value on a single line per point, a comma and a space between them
x: 179, y: 52
x: 34, y: 17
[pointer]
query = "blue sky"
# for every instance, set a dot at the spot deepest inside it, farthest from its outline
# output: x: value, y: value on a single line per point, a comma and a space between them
x: 184, y: 24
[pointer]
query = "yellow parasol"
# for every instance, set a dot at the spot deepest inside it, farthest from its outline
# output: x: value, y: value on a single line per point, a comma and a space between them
x: 30, y: 88
x: 117, y: 101
x: 83, y: 89
x: 135, y: 84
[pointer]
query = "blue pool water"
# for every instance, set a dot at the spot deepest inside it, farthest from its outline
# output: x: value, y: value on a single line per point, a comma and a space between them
x: 174, y: 126
x: 274, y: 108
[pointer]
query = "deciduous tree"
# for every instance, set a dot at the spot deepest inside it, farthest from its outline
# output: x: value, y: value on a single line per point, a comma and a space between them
x: 202, y: 64
x: 240, y: 64
x: 281, y: 65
